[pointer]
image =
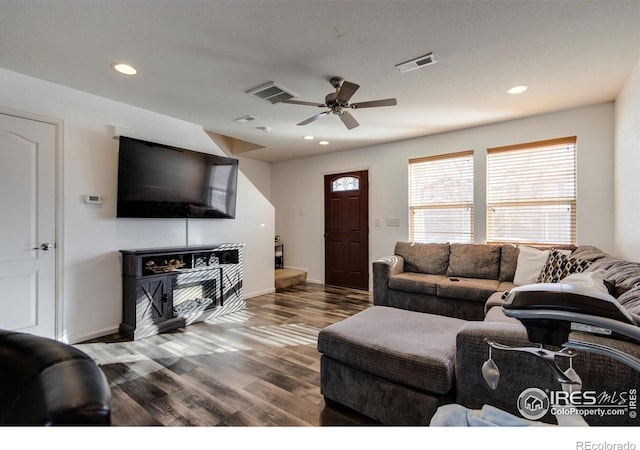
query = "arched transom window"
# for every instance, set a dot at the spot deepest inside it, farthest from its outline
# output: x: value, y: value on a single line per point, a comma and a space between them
x: 345, y: 184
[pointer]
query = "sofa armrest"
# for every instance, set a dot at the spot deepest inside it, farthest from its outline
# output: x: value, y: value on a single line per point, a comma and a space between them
x: 47, y: 382
x: 520, y: 371
x: 383, y: 269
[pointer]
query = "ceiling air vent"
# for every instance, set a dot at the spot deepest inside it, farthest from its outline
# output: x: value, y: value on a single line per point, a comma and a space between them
x: 416, y: 63
x: 272, y: 93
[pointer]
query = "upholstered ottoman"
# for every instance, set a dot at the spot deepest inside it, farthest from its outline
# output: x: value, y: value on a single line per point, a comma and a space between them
x: 392, y: 365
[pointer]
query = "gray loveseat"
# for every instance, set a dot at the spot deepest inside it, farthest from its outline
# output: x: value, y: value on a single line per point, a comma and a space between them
x: 423, y: 344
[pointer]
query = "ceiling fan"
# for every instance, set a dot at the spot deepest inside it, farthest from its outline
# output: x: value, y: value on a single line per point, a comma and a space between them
x: 338, y: 103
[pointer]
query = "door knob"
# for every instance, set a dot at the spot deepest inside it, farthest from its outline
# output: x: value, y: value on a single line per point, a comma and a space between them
x: 46, y: 246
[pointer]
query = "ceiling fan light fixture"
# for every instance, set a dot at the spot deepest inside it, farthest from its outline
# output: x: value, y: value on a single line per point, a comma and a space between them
x: 338, y: 101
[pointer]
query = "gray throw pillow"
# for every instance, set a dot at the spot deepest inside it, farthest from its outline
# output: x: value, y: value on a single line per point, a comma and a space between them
x: 474, y: 261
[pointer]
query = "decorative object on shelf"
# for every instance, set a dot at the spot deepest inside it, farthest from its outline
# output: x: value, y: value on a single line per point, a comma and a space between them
x: 169, y: 266
x: 279, y: 255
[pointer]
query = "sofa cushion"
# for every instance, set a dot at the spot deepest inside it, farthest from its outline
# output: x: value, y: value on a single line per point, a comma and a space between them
x: 420, y: 283
x: 505, y: 286
x: 474, y: 289
x: 405, y: 347
x: 630, y: 300
x: 559, y: 266
x: 424, y: 258
x: 590, y: 280
x: 474, y: 261
x: 496, y: 314
x: 494, y: 299
x: 508, y: 262
x: 588, y: 252
x: 622, y: 273
x: 531, y: 261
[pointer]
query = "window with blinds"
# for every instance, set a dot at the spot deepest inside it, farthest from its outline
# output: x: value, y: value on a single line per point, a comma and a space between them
x: 531, y: 192
x: 441, y: 198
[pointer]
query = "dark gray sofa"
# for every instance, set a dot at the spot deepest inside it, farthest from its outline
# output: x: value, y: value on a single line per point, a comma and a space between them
x: 399, y: 360
x: 447, y: 279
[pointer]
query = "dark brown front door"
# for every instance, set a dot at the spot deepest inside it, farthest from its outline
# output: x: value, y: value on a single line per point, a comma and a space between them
x: 346, y: 216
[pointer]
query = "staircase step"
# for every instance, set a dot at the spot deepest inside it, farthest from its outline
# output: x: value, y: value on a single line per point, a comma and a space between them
x: 289, y: 277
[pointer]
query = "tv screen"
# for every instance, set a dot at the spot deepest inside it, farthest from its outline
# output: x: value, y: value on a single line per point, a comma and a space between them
x: 156, y: 180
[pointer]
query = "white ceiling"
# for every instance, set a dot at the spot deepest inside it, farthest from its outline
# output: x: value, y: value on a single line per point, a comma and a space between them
x: 197, y: 60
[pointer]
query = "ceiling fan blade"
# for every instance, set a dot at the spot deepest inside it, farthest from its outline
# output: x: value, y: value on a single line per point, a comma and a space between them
x: 300, y: 102
x: 314, y: 118
x: 346, y: 91
x: 349, y: 121
x: 374, y: 103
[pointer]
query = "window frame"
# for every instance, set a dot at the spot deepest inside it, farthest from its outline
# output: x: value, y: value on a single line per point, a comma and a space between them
x: 335, y: 184
x: 571, y: 202
x: 468, y: 205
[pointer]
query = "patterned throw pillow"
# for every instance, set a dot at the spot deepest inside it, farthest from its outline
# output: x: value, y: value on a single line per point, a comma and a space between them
x: 559, y: 265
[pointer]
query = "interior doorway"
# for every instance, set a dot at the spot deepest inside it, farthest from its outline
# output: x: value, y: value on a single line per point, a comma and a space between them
x: 28, y: 222
x: 346, y: 215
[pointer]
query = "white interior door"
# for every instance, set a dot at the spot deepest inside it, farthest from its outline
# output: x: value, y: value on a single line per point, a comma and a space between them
x: 27, y: 226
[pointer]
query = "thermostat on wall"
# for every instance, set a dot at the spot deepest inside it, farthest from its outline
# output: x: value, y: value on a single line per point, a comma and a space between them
x: 93, y: 199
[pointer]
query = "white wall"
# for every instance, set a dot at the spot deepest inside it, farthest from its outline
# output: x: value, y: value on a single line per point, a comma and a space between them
x: 627, y: 163
x: 258, y: 172
x: 300, y: 213
x: 92, y: 236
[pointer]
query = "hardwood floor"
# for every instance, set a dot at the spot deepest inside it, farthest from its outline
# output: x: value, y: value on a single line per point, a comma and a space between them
x: 257, y: 367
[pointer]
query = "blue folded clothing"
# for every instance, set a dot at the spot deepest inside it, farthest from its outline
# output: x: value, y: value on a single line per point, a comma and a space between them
x: 458, y: 416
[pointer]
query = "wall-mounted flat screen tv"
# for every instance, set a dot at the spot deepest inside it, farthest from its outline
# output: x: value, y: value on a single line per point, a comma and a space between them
x: 156, y: 180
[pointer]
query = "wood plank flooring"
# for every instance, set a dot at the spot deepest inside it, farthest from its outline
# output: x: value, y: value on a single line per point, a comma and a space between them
x: 257, y: 367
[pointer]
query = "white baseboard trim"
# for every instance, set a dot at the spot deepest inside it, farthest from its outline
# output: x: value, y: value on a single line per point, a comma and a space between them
x: 259, y: 293
x: 93, y: 335
x: 304, y: 269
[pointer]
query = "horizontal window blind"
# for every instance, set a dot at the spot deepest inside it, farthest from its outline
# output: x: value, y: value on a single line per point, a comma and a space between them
x: 531, y: 193
x: 441, y: 198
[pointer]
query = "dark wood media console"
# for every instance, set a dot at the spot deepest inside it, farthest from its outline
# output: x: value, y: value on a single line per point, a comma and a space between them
x: 168, y: 288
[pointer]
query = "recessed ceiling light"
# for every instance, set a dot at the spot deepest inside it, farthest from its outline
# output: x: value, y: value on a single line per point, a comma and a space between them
x: 323, y: 142
x: 518, y: 89
x: 124, y: 68
x: 308, y: 138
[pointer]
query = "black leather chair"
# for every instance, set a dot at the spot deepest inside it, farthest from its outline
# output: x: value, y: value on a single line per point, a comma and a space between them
x: 46, y: 382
